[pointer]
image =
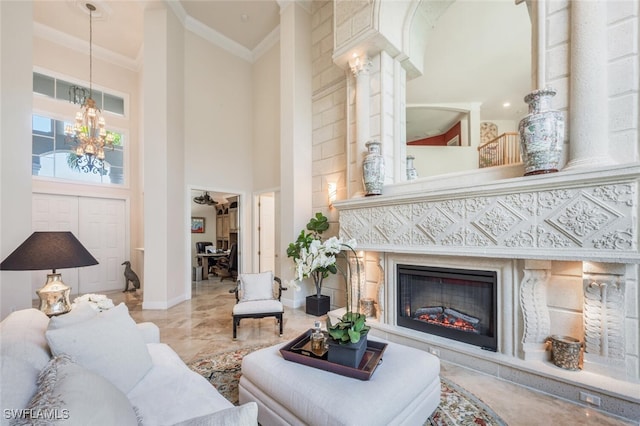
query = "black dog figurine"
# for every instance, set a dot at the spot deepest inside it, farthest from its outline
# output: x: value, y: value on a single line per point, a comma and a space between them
x: 130, y: 276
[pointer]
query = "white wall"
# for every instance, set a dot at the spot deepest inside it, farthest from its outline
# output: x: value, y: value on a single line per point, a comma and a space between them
x: 16, y: 32
x: 218, y: 117
x: 266, y: 120
x: 438, y: 160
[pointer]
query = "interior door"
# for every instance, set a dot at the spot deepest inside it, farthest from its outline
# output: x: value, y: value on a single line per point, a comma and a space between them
x: 102, y: 228
x: 266, y: 232
x: 99, y: 224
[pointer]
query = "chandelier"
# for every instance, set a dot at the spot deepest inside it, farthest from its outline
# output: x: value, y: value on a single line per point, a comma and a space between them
x: 88, y: 133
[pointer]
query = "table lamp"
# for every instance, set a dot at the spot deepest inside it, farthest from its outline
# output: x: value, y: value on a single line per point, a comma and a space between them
x: 50, y: 250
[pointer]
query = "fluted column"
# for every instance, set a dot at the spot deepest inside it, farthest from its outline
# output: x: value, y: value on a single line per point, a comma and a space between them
x: 589, y: 112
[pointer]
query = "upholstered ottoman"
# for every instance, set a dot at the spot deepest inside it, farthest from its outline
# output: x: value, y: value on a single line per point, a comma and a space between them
x: 403, y: 390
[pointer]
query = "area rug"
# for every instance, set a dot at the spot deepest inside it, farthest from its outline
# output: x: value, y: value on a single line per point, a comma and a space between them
x: 458, y: 407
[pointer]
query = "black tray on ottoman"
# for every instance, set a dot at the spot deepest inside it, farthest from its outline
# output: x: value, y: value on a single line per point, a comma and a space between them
x: 297, y: 351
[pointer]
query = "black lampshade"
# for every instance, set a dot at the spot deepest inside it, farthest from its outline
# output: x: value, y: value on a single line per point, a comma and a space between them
x: 48, y: 250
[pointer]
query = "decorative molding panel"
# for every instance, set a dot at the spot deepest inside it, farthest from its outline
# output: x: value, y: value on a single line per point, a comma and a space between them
x: 604, y: 316
x: 582, y: 218
x: 533, y: 299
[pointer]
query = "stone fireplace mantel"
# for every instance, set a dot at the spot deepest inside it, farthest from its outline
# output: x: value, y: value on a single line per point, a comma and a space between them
x: 519, y: 227
x: 576, y: 215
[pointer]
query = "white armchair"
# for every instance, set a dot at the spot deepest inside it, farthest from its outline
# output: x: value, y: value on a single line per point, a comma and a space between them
x: 257, y: 296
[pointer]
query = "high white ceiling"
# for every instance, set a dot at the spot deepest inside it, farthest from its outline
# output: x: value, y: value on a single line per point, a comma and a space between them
x: 478, y: 51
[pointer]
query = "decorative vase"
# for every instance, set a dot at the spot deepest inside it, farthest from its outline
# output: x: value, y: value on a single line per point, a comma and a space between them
x: 349, y: 354
x: 412, y: 173
x: 541, y: 134
x: 373, y: 169
x: 317, y: 305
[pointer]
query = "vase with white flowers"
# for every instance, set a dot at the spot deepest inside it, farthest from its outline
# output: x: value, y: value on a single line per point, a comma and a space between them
x: 316, y: 259
x: 348, y: 336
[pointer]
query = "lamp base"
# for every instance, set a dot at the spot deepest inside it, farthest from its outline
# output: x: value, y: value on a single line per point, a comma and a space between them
x: 54, y: 296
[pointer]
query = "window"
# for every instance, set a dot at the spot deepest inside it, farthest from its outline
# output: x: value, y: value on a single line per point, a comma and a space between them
x: 53, y: 157
x: 59, y: 89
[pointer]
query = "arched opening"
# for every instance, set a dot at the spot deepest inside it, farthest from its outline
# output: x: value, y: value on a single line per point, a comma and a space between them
x: 477, y: 57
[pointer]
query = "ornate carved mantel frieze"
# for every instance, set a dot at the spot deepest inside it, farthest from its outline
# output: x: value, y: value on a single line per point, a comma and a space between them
x: 585, y: 216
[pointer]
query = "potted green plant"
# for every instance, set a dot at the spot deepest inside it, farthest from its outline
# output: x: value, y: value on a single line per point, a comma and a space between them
x: 316, y: 259
x: 348, y: 337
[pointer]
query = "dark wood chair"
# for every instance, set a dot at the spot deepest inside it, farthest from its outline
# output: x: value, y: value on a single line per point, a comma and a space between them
x: 257, y: 296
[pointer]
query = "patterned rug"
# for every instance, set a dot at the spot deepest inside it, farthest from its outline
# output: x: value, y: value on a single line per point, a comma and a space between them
x: 458, y: 407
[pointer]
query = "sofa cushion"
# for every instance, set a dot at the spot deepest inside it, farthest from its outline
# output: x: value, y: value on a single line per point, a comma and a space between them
x: 178, y: 393
x: 74, y: 395
x: 22, y: 337
x: 81, y: 312
x: 257, y: 286
x: 109, y: 344
x: 257, y: 306
x: 244, y: 415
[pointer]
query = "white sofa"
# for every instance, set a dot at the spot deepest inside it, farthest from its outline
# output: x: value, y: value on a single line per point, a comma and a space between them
x: 115, y: 372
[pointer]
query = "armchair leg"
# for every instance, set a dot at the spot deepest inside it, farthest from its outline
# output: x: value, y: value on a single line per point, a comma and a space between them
x: 279, y: 317
x: 235, y: 325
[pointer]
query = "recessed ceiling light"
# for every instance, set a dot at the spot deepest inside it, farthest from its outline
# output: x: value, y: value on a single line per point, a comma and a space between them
x: 506, y: 104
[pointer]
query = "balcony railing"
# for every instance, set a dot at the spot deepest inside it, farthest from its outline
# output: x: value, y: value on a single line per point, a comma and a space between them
x: 503, y: 150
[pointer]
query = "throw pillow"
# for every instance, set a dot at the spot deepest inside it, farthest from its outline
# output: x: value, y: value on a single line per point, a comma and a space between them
x: 71, y: 395
x: 257, y: 286
x: 81, y: 312
x: 22, y: 336
x: 110, y: 345
x: 244, y: 415
x: 17, y: 382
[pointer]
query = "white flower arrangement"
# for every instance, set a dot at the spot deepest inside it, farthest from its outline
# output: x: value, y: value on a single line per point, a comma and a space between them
x: 313, y: 257
x: 99, y: 302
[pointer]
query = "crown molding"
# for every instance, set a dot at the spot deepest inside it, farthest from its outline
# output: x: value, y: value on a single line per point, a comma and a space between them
x: 218, y: 39
x: 209, y: 34
x: 82, y: 46
x: 266, y: 44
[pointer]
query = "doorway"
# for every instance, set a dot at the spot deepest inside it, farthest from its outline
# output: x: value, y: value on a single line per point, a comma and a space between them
x: 266, y: 232
x: 215, y: 230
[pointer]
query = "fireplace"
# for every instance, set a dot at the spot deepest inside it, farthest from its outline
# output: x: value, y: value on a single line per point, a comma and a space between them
x: 458, y: 304
x: 564, y: 247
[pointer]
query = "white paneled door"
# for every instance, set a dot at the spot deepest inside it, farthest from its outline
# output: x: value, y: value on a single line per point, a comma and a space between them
x: 266, y: 232
x: 100, y: 224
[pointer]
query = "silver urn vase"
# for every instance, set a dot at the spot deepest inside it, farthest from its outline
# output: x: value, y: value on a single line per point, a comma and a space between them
x: 541, y: 134
x: 373, y: 169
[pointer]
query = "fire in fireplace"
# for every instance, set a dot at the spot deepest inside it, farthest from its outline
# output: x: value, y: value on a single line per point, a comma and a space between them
x: 459, y: 304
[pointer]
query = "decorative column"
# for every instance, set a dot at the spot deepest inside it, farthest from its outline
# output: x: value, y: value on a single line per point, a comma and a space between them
x: 589, y: 115
x: 360, y: 68
x: 295, y: 134
x: 533, y: 299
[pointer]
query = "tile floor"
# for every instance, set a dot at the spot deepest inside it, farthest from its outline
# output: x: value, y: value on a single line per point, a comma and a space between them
x: 203, y: 324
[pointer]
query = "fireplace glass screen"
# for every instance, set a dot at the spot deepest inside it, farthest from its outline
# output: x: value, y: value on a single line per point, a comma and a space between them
x: 458, y: 304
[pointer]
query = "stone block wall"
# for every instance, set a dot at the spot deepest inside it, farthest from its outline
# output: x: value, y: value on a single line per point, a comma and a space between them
x: 329, y: 139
